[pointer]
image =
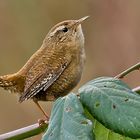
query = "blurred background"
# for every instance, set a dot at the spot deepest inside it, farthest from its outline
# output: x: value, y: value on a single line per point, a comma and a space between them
x: 112, y: 43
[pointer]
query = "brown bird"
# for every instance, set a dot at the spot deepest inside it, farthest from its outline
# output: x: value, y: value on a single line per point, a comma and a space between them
x: 55, y: 69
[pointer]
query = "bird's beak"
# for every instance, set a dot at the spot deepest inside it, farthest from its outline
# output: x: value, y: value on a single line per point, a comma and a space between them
x: 79, y: 21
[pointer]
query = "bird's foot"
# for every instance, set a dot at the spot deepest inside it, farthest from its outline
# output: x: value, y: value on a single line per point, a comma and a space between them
x: 43, y: 121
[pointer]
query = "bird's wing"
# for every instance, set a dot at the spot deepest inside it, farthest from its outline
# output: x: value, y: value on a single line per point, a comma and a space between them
x: 42, y: 78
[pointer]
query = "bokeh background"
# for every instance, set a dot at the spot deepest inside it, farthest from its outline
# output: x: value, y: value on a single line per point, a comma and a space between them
x: 112, y: 39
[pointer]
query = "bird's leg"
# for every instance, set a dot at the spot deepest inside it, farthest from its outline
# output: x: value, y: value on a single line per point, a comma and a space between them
x: 36, y: 102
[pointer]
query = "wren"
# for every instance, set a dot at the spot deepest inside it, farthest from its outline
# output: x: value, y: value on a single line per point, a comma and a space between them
x: 53, y: 70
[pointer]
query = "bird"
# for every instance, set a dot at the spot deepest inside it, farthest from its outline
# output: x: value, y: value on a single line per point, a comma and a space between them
x: 54, y: 69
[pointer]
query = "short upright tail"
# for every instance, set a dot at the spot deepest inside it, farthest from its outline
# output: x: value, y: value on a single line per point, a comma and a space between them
x: 12, y: 82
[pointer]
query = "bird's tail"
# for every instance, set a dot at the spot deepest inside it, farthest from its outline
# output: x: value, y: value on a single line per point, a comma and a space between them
x: 12, y: 82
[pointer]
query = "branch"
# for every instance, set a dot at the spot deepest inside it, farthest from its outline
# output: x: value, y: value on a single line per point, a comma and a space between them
x: 137, y: 89
x: 25, y: 132
x: 124, y: 73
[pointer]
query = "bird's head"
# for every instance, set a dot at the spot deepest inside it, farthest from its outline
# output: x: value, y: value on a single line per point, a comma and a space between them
x: 67, y: 32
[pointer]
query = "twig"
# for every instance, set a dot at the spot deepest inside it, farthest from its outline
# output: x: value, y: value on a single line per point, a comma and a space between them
x: 25, y: 132
x: 137, y: 89
x: 124, y: 73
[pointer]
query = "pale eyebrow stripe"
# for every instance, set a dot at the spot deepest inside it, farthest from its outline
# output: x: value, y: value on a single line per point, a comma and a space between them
x: 57, y: 29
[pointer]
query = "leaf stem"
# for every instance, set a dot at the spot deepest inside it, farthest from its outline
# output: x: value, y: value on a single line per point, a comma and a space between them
x: 25, y: 132
x: 126, y: 72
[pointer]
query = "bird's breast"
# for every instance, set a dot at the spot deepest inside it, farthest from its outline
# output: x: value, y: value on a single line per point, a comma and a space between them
x: 67, y: 80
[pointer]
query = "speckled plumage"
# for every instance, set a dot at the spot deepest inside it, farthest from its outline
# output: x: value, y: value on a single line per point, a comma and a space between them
x: 55, y: 69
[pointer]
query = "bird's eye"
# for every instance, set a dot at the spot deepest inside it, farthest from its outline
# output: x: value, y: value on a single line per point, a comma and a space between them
x: 65, y: 29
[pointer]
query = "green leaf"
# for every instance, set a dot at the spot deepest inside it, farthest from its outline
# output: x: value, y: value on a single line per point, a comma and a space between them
x: 68, y: 122
x: 113, y: 104
x: 102, y: 133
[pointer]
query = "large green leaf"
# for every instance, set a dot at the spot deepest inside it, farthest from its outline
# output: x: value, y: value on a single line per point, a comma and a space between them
x: 113, y: 104
x: 68, y: 122
x: 102, y: 133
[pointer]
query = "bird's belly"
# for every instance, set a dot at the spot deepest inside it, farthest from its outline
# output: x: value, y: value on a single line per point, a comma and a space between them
x: 65, y: 83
